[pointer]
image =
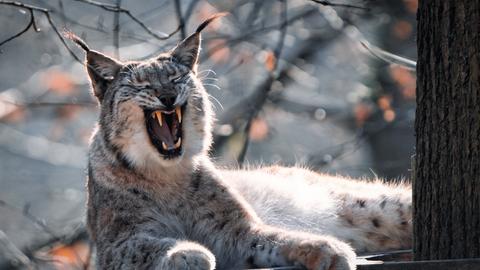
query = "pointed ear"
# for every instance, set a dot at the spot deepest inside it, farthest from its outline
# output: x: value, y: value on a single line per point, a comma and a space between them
x: 186, y: 53
x: 102, y: 70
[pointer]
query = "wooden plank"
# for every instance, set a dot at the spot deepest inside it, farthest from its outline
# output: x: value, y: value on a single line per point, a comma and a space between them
x: 463, y: 264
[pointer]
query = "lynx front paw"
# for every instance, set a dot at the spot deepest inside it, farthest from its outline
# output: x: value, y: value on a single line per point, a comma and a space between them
x: 322, y: 255
x: 188, y: 257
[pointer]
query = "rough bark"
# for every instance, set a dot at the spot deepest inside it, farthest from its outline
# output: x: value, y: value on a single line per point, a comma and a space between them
x: 447, y: 171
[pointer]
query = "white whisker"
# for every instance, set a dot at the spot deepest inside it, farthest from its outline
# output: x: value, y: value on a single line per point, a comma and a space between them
x: 216, y: 100
x: 213, y: 85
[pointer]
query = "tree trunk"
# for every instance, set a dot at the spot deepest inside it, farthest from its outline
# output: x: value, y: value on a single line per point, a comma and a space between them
x: 446, y: 185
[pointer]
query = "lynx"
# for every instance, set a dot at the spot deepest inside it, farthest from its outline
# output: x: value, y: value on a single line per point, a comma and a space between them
x: 156, y: 200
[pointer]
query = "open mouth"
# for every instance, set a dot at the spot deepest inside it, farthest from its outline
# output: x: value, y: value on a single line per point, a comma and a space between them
x: 165, y: 131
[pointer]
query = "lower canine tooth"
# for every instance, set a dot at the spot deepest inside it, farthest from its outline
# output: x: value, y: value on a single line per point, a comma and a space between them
x: 178, y: 143
x: 164, y: 145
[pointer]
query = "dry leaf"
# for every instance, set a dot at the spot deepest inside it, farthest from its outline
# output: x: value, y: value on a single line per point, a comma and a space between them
x: 11, y: 113
x: 362, y: 112
x: 67, y: 112
x: 204, y: 11
x: 59, y: 82
x: 270, y: 61
x: 405, y: 79
x: 70, y: 256
x: 258, y: 129
x: 384, y: 102
x: 389, y: 115
x: 402, y: 29
x: 220, y: 51
x: 411, y: 5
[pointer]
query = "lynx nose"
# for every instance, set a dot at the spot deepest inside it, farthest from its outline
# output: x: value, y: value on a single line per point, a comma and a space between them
x: 168, y: 102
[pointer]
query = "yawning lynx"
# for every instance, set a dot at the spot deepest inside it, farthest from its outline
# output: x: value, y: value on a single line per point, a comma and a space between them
x: 156, y: 201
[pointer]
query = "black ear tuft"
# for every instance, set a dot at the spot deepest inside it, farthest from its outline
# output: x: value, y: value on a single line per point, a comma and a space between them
x: 186, y: 53
x: 209, y: 20
x: 70, y: 35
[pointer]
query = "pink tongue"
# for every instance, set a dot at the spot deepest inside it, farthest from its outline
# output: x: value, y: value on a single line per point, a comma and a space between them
x: 163, y: 132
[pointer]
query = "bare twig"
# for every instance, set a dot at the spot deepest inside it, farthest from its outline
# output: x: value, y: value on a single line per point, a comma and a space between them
x: 46, y: 12
x: 253, y: 33
x: 29, y: 25
x: 388, y: 57
x: 114, y: 8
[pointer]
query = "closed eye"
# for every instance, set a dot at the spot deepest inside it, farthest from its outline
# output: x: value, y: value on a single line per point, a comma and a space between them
x: 142, y: 85
x: 178, y: 78
x: 137, y: 87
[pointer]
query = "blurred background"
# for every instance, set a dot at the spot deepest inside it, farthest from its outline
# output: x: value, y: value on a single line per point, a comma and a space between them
x: 293, y: 82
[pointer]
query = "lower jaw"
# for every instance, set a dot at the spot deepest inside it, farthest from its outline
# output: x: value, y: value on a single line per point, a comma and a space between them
x: 174, y: 154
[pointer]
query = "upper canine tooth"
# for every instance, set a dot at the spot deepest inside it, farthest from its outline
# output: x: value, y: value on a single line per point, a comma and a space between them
x: 159, y: 117
x: 178, y: 111
x: 178, y: 143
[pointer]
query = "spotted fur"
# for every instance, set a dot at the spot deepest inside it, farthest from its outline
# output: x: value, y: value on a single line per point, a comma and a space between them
x: 148, y: 212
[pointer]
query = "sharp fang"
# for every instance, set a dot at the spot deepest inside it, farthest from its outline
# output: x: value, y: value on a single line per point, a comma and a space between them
x: 164, y: 145
x: 178, y: 110
x: 159, y: 117
x: 178, y: 143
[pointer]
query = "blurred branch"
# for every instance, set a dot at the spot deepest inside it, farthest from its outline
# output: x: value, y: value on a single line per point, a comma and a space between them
x: 325, y: 156
x: 262, y: 92
x: 114, y: 8
x: 30, y: 104
x: 189, y: 10
x: 251, y: 104
x: 11, y: 256
x: 69, y: 236
x: 279, y: 26
x: 62, y: 13
x: 116, y: 30
x: 181, y: 22
x: 328, y: 3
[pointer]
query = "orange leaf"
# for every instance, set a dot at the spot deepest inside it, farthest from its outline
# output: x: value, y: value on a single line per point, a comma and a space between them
x: 11, y: 113
x: 59, y: 82
x: 67, y: 112
x: 258, y: 129
x: 405, y: 79
x: 384, y: 102
x: 70, y: 256
x: 411, y: 5
x: 270, y: 61
x: 389, y: 115
x: 402, y: 29
x: 221, y: 52
x: 204, y: 11
x: 362, y: 112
